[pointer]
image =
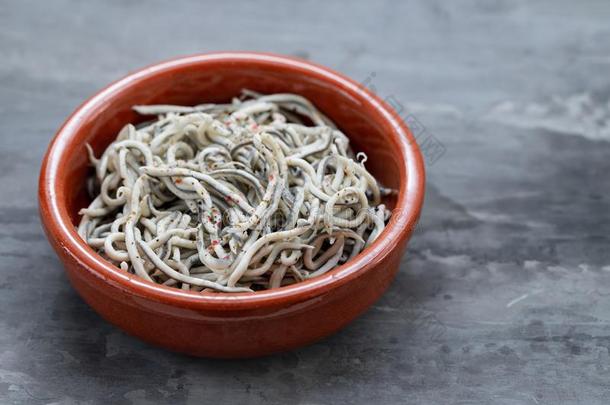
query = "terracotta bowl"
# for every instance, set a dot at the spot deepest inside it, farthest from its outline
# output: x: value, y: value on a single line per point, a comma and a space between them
x: 220, y: 324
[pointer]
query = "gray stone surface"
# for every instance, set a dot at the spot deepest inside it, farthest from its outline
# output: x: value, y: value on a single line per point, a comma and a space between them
x: 503, y: 297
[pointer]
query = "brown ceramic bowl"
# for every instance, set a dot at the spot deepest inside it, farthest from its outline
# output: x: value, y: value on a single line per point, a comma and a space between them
x: 221, y: 324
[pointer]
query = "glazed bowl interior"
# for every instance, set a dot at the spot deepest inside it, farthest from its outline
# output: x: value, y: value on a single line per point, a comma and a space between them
x: 373, y: 131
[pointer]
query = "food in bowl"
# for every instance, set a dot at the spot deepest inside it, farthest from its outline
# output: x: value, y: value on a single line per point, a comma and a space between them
x: 255, y: 194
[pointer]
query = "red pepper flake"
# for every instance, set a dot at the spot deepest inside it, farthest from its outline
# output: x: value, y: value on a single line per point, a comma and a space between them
x: 229, y: 199
x: 178, y: 180
x: 214, y: 242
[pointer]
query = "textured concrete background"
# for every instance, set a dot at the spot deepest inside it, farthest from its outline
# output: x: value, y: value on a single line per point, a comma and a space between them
x: 503, y: 297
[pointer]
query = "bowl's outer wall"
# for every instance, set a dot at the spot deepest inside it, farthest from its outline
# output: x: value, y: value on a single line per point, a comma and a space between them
x: 238, y: 334
x: 225, y: 331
